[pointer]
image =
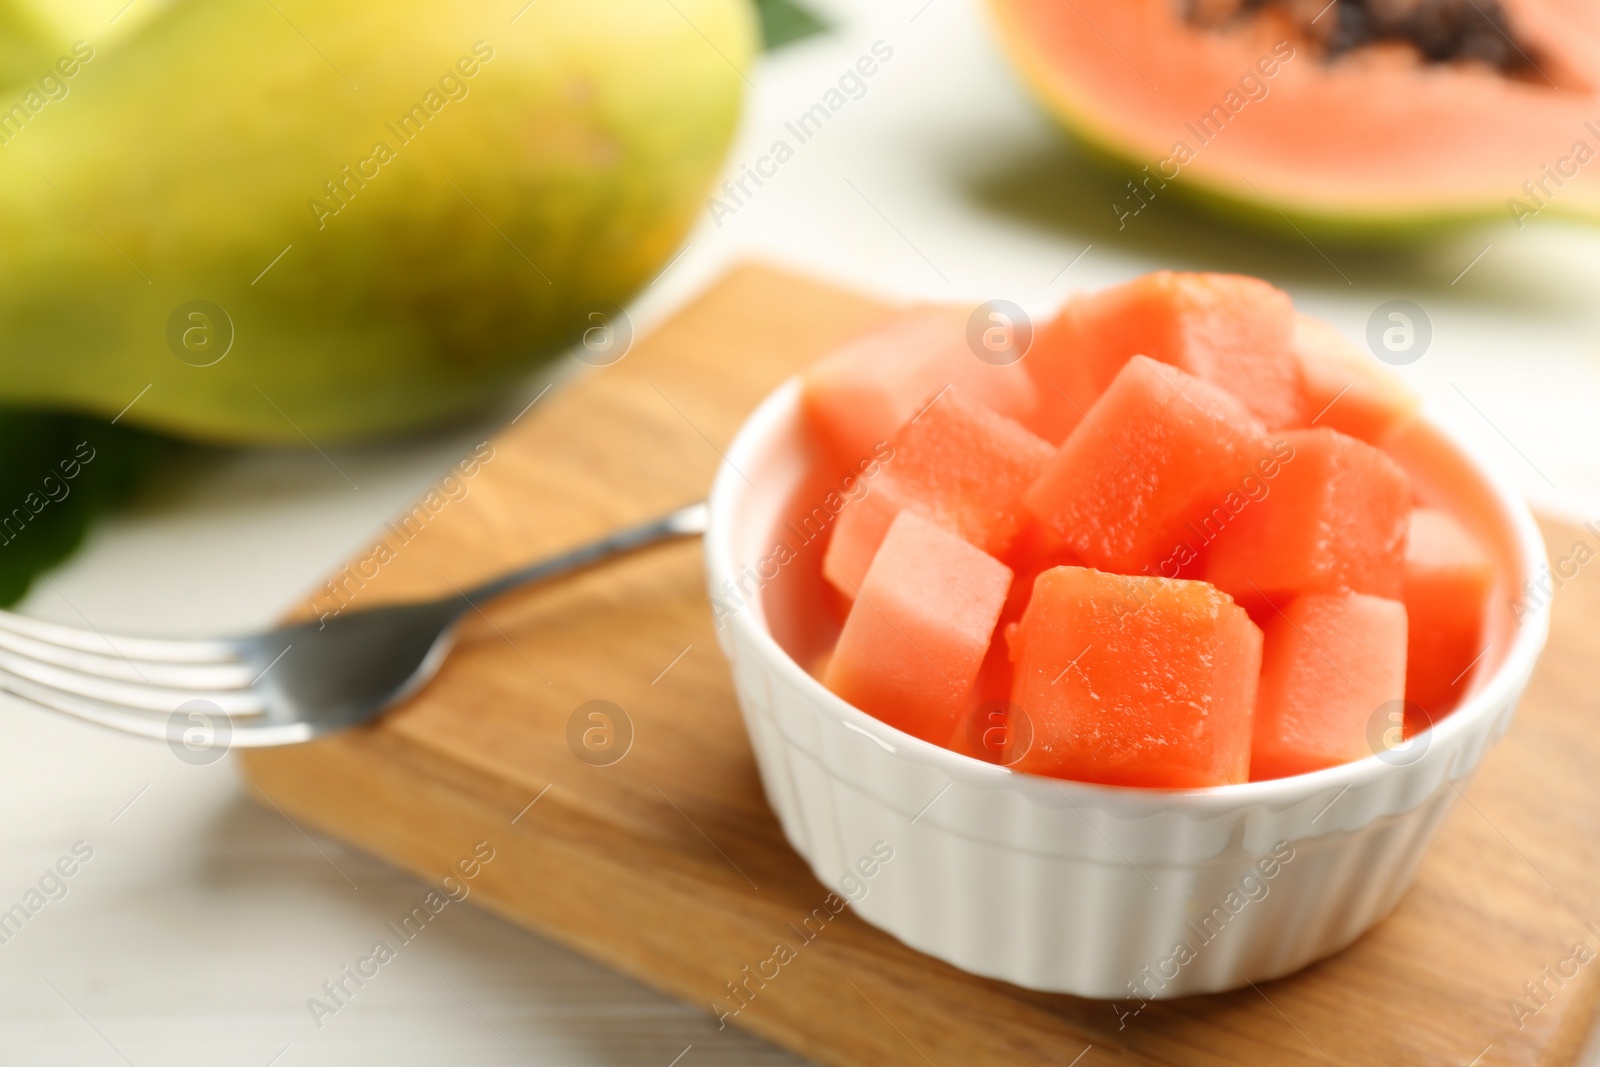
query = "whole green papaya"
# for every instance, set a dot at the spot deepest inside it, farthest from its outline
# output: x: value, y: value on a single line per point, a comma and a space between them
x: 273, y: 220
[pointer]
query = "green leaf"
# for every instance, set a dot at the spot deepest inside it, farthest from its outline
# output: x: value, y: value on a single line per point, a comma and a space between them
x: 783, y: 21
x: 58, y: 474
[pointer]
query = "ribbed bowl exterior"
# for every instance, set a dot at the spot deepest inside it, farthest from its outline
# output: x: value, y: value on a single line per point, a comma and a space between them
x: 1098, y: 891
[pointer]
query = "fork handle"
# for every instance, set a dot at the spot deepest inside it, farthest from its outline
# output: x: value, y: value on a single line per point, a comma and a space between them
x: 687, y: 521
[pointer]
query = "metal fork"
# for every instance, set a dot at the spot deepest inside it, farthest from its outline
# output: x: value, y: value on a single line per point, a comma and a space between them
x: 282, y: 686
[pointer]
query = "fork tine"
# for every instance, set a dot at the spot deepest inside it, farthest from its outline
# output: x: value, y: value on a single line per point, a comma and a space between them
x: 363, y: 663
x: 141, y: 723
x: 177, y: 675
x: 155, y: 650
x: 135, y: 695
x: 150, y: 724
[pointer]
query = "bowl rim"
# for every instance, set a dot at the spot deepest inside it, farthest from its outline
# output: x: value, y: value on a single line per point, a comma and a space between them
x: 781, y: 408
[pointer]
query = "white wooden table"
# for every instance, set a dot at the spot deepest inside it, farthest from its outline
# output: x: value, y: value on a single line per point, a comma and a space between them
x: 203, y: 922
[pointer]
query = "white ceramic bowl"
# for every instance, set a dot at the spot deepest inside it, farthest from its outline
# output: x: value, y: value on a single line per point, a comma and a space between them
x: 1071, y: 887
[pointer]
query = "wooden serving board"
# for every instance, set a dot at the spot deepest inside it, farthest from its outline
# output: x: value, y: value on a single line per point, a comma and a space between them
x: 669, y: 866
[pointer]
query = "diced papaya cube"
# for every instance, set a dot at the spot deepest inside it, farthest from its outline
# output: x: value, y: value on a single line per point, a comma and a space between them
x: 1234, y: 332
x: 1036, y: 549
x: 1157, y: 449
x: 857, y: 533
x: 918, y: 631
x: 1334, y: 518
x: 981, y: 730
x: 1345, y: 388
x: 1333, y: 665
x: 859, y: 395
x: 1134, y: 681
x: 862, y: 392
x: 1448, y: 578
x: 957, y: 464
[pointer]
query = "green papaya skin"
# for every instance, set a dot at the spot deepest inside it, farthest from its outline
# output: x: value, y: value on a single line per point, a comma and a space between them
x: 189, y: 161
x: 27, y: 45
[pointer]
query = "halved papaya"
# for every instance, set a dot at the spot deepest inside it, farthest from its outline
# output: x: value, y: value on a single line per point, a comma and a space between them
x: 1356, y: 111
